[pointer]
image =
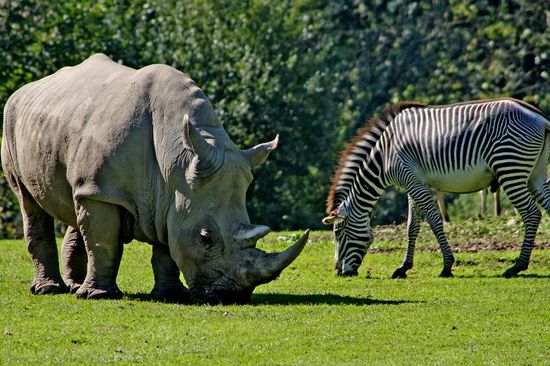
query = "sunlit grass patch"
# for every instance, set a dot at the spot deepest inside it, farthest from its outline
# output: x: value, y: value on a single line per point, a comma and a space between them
x: 307, y: 316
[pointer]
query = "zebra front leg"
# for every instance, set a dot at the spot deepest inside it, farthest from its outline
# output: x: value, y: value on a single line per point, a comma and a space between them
x: 413, y: 227
x: 424, y: 199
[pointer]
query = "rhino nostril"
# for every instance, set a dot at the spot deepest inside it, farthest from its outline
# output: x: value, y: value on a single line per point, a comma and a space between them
x: 206, y: 237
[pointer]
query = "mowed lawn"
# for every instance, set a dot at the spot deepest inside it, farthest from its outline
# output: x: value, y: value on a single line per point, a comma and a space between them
x: 307, y: 316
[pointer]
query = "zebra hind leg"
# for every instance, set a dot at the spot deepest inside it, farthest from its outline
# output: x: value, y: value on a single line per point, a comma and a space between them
x: 523, y: 201
x: 541, y: 193
x: 413, y: 227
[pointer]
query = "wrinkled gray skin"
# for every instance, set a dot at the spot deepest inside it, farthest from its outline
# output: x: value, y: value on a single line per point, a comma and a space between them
x: 121, y: 154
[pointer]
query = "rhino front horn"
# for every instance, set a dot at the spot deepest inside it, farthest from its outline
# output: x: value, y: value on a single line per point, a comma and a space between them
x: 274, y: 263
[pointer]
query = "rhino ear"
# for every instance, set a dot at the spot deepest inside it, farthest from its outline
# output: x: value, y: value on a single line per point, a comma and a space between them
x: 258, y: 154
x: 209, y: 157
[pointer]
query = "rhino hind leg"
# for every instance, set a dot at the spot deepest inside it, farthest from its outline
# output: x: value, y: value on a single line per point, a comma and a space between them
x: 99, y: 226
x: 168, y: 287
x: 39, y: 233
x: 74, y: 259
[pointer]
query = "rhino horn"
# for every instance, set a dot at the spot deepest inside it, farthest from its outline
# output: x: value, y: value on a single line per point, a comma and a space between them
x: 258, y: 154
x: 247, y: 235
x: 271, y: 265
x: 209, y: 157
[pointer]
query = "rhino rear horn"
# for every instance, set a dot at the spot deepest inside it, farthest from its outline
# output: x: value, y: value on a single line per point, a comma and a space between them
x: 258, y: 154
x: 209, y: 157
x: 247, y: 235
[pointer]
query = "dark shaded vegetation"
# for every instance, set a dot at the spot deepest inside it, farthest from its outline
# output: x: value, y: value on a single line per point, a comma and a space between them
x: 312, y: 70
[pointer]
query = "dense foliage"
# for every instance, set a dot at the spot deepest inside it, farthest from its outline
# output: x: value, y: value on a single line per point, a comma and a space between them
x: 311, y: 70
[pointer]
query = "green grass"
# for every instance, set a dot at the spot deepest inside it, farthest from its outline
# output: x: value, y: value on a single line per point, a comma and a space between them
x: 307, y: 316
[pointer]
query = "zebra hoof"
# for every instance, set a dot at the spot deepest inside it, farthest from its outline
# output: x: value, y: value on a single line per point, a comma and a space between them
x: 350, y: 273
x: 399, y: 273
x: 513, y: 271
x: 446, y: 273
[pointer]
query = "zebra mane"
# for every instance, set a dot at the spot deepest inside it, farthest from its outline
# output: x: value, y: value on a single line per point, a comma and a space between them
x: 374, y: 127
x: 526, y: 105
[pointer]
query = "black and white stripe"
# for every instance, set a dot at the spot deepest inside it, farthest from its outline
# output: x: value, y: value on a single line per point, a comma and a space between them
x: 456, y: 148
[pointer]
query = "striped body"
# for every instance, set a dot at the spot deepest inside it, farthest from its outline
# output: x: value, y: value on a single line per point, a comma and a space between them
x: 457, y: 148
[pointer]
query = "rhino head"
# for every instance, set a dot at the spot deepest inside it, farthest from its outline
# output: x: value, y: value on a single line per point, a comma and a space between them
x: 210, y: 235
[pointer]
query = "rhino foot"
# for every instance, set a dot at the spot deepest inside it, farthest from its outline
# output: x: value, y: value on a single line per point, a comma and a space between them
x: 178, y: 294
x: 47, y: 287
x: 72, y: 285
x: 88, y: 293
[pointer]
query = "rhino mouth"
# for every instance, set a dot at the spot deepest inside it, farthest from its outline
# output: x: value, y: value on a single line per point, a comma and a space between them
x: 214, y: 296
x: 218, y: 294
x: 217, y: 288
x: 235, y: 285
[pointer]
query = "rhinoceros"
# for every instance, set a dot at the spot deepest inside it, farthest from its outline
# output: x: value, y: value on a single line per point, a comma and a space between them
x: 120, y: 154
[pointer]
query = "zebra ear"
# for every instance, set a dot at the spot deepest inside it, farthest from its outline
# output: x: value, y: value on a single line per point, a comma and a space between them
x: 332, y: 218
x: 337, y: 214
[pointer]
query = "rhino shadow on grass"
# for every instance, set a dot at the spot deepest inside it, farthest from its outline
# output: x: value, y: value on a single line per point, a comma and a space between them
x: 293, y: 299
x: 321, y: 299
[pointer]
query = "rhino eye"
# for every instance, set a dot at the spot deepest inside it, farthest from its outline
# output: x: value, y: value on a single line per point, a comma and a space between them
x: 206, y: 237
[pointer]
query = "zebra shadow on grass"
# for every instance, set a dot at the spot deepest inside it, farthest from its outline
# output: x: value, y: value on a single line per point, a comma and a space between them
x: 321, y: 299
x: 516, y: 277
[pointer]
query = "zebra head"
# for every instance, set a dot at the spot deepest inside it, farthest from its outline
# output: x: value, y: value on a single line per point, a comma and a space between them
x: 351, y: 240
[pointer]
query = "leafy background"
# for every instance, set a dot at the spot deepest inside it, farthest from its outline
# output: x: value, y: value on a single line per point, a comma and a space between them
x: 313, y: 71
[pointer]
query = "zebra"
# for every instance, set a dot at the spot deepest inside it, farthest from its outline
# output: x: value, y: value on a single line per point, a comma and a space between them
x: 458, y: 148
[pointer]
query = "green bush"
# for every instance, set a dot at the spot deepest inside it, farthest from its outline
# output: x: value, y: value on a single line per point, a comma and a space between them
x: 311, y: 70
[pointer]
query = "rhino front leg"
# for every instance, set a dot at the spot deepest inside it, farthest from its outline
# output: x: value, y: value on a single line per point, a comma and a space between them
x: 74, y: 259
x: 99, y: 225
x: 168, y: 287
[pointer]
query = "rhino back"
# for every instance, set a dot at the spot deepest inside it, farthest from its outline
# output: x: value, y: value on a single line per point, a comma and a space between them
x: 105, y: 131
